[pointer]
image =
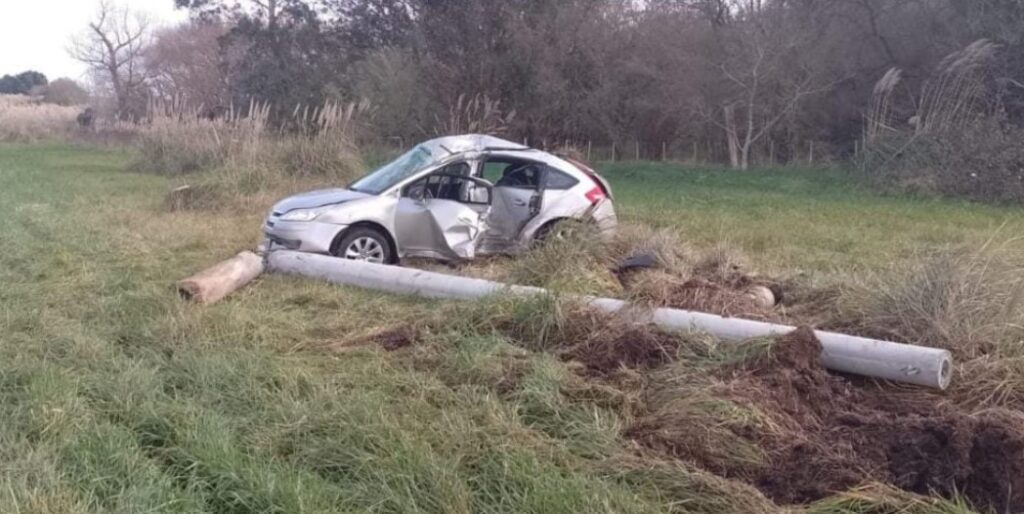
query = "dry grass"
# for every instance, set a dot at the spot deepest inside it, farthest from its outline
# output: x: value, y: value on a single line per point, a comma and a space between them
x: 967, y: 300
x: 242, y: 158
x: 24, y: 120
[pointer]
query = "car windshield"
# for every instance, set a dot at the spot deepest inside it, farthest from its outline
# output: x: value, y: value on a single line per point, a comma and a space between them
x: 394, y: 172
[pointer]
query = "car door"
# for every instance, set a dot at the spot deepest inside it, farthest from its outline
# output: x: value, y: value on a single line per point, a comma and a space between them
x: 518, y: 196
x: 443, y: 215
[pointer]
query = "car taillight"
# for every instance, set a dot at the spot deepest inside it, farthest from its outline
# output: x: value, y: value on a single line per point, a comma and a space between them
x: 595, y: 195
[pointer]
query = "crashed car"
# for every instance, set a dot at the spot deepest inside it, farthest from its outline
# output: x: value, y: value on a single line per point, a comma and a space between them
x: 451, y: 198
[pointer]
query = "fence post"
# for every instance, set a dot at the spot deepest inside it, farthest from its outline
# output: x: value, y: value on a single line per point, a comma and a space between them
x: 810, y: 155
x: 664, y: 151
x: 613, y: 151
x: 590, y: 146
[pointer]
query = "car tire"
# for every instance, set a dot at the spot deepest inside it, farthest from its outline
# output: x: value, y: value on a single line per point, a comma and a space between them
x: 556, y: 230
x: 364, y: 244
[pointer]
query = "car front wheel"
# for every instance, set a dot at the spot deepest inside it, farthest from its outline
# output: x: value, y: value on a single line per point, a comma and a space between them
x: 364, y: 244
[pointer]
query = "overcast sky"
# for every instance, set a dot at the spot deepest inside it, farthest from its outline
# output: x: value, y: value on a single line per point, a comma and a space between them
x: 34, y: 34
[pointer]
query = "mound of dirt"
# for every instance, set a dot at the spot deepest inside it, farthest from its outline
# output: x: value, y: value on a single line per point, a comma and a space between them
x: 632, y: 346
x: 830, y: 435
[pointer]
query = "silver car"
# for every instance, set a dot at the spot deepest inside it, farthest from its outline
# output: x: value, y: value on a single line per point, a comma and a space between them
x: 451, y: 198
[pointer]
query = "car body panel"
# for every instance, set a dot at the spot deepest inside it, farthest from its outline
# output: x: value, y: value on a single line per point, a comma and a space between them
x: 436, y: 228
x: 445, y: 228
x: 316, y: 199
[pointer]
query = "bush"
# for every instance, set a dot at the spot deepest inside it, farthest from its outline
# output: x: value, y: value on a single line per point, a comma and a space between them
x: 65, y: 92
x: 982, y: 161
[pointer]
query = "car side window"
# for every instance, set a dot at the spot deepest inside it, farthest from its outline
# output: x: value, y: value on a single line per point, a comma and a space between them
x: 521, y: 175
x: 558, y: 180
x: 438, y: 184
x: 492, y: 171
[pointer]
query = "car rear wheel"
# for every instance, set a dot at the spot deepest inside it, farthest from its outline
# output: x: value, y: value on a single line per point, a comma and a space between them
x: 364, y: 244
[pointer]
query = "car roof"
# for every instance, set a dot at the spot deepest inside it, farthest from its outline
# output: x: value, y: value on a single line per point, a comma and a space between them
x: 471, y: 143
x: 444, y: 147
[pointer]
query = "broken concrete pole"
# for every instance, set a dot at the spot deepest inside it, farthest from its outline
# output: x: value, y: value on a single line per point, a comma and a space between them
x: 213, y: 284
x: 931, y: 367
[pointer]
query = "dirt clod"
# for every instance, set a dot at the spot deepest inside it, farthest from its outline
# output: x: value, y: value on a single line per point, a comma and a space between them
x: 390, y: 339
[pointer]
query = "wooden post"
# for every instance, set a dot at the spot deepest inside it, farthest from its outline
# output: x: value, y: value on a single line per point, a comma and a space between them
x: 810, y: 154
x: 590, y: 147
x: 213, y: 284
x: 613, y: 151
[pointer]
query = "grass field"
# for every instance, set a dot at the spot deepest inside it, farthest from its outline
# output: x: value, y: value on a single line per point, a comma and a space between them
x: 790, y: 221
x: 115, y: 396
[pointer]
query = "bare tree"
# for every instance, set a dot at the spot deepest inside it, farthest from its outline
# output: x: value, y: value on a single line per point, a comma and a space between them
x: 763, y: 76
x: 184, y: 65
x: 113, y: 48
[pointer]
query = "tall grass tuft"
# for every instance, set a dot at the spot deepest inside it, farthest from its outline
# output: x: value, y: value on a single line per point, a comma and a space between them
x: 242, y: 152
x: 24, y: 120
x: 957, y: 143
x: 970, y: 301
x: 476, y: 114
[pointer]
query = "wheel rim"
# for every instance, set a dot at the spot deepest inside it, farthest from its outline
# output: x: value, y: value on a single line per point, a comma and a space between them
x: 365, y: 249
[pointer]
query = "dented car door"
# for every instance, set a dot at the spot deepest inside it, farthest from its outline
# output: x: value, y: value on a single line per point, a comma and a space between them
x: 443, y: 216
x: 518, y: 198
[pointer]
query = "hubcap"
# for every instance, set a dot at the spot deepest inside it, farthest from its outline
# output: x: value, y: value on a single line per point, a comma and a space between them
x: 365, y: 249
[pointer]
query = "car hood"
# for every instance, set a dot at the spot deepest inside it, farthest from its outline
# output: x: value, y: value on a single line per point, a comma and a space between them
x: 314, y: 199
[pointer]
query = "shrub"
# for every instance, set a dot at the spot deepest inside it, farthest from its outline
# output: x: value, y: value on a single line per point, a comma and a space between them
x: 957, y: 142
x: 982, y: 161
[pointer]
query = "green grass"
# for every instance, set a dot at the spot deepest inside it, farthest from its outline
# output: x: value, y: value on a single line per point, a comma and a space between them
x: 800, y: 220
x: 116, y: 396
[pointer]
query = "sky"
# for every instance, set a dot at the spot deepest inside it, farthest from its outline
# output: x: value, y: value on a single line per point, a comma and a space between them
x: 34, y: 34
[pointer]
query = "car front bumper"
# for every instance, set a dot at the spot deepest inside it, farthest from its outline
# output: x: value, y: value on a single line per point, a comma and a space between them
x: 303, y: 236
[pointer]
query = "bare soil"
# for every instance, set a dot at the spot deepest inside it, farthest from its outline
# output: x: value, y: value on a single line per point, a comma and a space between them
x: 833, y: 435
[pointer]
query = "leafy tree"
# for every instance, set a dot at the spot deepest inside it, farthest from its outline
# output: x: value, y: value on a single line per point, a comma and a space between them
x: 22, y: 83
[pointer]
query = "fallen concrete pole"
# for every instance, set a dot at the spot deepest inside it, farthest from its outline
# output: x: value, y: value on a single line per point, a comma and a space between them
x: 918, y: 365
x: 214, y: 283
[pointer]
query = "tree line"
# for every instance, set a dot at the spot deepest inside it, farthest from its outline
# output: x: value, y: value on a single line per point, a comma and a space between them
x: 735, y: 81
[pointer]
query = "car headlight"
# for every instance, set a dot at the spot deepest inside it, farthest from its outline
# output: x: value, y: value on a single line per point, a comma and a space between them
x: 301, y: 215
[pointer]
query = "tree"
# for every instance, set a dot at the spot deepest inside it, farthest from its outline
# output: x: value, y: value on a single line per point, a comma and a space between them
x: 276, y: 51
x: 63, y: 91
x: 113, y: 47
x: 760, y: 75
x: 22, y: 83
x: 184, y: 65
